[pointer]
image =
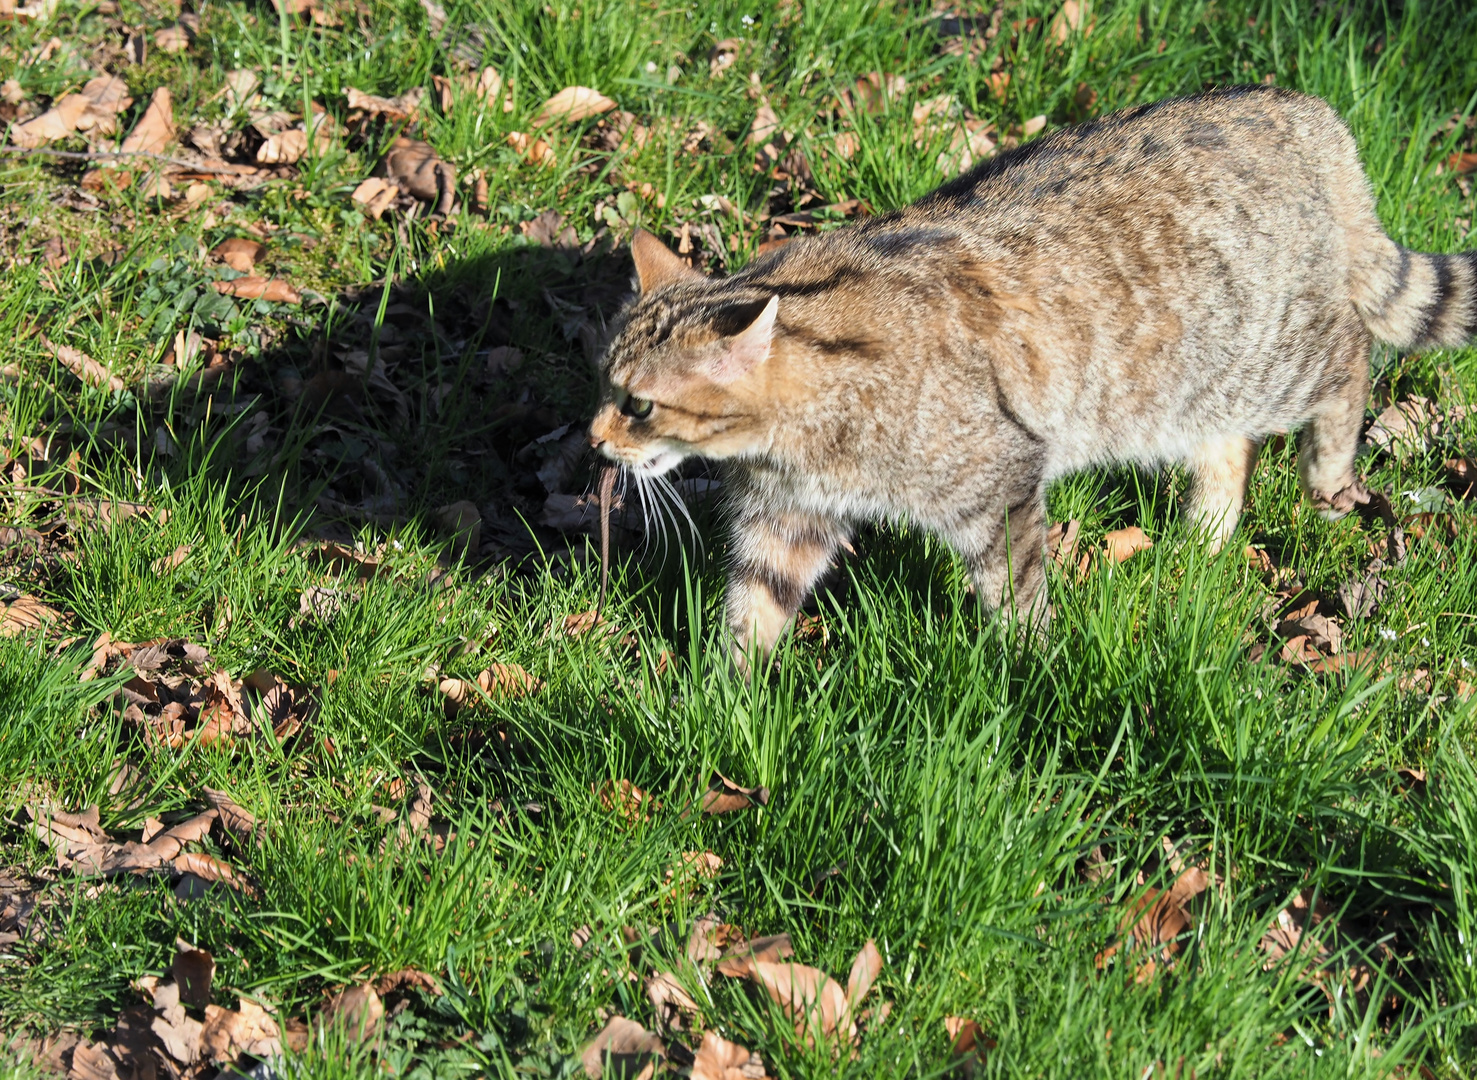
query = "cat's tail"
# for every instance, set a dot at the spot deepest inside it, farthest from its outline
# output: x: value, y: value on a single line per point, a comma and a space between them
x: 1417, y: 301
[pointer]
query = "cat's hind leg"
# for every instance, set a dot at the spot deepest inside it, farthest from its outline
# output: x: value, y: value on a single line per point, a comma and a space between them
x: 1219, y: 469
x: 1330, y: 440
x: 777, y: 557
x: 1003, y: 548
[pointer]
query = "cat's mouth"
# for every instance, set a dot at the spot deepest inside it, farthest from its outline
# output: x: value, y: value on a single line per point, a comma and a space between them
x: 659, y: 464
x: 652, y: 463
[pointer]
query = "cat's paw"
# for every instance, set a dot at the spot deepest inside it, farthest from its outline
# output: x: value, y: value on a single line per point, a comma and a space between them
x: 1333, y: 506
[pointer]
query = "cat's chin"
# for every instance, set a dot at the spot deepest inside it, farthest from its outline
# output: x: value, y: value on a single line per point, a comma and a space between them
x: 658, y: 464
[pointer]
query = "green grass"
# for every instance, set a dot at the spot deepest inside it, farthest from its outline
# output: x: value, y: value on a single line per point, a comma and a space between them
x: 937, y: 786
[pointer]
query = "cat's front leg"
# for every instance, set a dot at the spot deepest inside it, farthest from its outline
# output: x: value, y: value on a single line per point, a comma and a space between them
x: 776, y: 558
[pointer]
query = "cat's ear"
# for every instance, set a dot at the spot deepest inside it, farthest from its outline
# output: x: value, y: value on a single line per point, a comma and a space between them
x: 749, y: 348
x: 656, y: 265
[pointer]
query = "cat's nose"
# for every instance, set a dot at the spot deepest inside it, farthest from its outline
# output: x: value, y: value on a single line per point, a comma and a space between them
x: 596, y: 441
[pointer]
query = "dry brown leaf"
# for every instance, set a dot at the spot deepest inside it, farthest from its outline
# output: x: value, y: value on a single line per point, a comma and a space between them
x: 57, y: 122
x: 25, y: 615
x: 675, y: 1008
x: 172, y: 39
x: 84, y: 367
x: 239, y: 822
x: 92, y: 1061
x: 1074, y: 15
x: 864, y: 971
x: 627, y: 800
x: 724, y: 796
x: 193, y: 970
x: 719, y: 1059
x: 533, y: 150
x: 709, y: 937
x: 180, y: 1033
x: 209, y: 868
x: 739, y: 961
x: 1154, y: 922
x: 695, y: 865
x: 259, y: 288
x: 356, y: 1011
x: 968, y: 1043
x: 173, y: 561
x: 628, y: 1049
x: 154, y: 133
x: 418, y: 171
x: 248, y: 1029
x: 571, y: 105
x: 1122, y: 544
x: 408, y: 979
x: 239, y: 253
x: 375, y: 195
x: 812, y: 1000
x: 403, y: 108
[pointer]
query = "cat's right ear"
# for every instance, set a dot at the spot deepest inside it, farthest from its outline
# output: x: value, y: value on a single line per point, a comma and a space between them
x: 656, y: 265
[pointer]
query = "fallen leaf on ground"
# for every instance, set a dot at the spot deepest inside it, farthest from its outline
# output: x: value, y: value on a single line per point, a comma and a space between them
x: 173, y: 561
x: 499, y: 681
x: 375, y: 195
x: 864, y: 971
x: 1061, y: 541
x: 1404, y: 426
x: 1122, y: 544
x: 193, y: 970
x: 403, y: 108
x: 1154, y: 922
x: 418, y: 171
x: 209, y: 868
x: 239, y: 822
x: 968, y: 1043
x: 626, y: 799
x: 408, y: 979
x: 812, y: 1000
x: 239, y: 253
x: 675, y: 1008
x: 1068, y: 20
x: 259, y: 288
x: 623, y: 1049
x: 719, y: 1059
x: 571, y: 105
x: 172, y: 39
x: 355, y: 1011
x: 57, y: 122
x: 738, y: 962
x: 26, y: 614
x: 248, y: 1029
x: 534, y: 150
x: 84, y: 367
x: 724, y: 796
x: 153, y: 133
x: 696, y: 864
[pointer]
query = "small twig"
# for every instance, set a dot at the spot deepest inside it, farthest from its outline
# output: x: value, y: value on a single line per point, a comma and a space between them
x: 607, y: 489
x: 97, y: 155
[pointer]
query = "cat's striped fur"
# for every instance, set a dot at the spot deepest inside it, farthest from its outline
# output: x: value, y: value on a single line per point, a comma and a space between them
x: 1171, y: 283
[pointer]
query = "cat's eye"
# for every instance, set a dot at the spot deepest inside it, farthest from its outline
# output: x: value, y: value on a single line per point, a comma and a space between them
x: 637, y: 407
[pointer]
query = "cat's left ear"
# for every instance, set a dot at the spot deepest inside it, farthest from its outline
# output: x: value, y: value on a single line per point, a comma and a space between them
x: 656, y: 265
x: 745, y: 351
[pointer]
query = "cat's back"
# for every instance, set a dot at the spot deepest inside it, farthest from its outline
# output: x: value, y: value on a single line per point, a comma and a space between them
x: 1238, y: 149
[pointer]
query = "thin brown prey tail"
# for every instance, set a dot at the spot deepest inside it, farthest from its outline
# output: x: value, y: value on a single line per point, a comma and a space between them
x: 607, y: 488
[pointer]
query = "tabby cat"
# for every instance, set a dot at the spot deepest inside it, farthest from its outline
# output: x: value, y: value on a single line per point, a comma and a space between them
x: 1173, y: 282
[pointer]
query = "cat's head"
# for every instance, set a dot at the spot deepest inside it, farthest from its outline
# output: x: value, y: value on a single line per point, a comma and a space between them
x: 685, y: 374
